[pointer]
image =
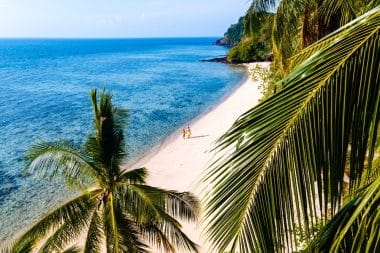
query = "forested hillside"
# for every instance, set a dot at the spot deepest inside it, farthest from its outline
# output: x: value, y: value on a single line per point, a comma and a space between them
x: 250, y: 38
x: 233, y: 35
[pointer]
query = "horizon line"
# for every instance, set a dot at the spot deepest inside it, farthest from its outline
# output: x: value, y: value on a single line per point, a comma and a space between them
x: 158, y: 37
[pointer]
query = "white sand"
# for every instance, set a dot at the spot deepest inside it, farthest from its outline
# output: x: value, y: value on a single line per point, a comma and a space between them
x: 178, y: 163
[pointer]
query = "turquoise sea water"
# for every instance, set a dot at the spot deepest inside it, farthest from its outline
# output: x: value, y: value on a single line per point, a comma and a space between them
x: 44, y: 96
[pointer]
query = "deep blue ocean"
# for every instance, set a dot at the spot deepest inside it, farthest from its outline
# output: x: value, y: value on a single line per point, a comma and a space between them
x: 44, y: 95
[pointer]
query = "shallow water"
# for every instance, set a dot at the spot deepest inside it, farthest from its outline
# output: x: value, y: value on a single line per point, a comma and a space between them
x: 44, y: 96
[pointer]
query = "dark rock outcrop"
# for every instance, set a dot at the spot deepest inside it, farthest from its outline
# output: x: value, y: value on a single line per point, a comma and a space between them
x: 217, y: 59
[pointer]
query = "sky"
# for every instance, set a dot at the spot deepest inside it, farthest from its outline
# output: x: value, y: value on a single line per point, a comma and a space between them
x: 118, y: 18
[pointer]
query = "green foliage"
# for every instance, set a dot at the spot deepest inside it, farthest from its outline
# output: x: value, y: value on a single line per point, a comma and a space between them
x: 17, y: 247
x: 356, y: 227
x: 115, y: 208
x: 304, y: 236
x: 234, y: 34
x: 255, y: 45
x: 248, y: 51
x: 73, y: 249
x: 300, y: 23
x: 287, y: 156
x: 266, y: 79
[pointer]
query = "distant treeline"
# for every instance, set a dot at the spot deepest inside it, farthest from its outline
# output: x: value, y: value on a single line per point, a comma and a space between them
x: 249, y: 39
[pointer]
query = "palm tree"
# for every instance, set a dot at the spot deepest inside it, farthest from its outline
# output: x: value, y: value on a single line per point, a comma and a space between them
x: 116, y: 210
x: 300, y: 23
x: 287, y: 156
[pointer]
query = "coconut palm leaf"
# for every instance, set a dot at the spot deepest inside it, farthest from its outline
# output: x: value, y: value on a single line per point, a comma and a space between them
x: 155, y: 236
x: 58, y: 159
x: 103, y: 108
x: 95, y: 234
x: 286, y: 34
x: 355, y: 227
x: 172, y: 230
x: 258, y: 6
x: 345, y: 9
x: 169, y: 231
x: 367, y: 5
x: 17, y: 247
x: 287, y: 155
x: 107, y: 146
x: 182, y: 205
x: 134, y: 176
x: 67, y: 233
x: 73, y: 249
x: 371, y: 175
x: 61, y: 238
x: 155, y: 209
x: 62, y: 224
x: 312, y: 49
x: 110, y: 226
x: 131, y: 242
x: 125, y: 235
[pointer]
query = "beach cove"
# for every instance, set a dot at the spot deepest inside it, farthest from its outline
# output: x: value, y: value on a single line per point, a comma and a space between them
x: 45, y: 96
x: 196, y: 126
x: 179, y: 163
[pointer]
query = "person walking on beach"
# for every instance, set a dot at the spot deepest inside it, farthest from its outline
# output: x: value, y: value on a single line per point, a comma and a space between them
x: 184, y: 133
x: 188, y: 132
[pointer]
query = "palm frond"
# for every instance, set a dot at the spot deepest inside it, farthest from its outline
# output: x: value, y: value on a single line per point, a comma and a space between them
x: 61, y: 159
x: 67, y: 233
x: 345, y: 9
x: 17, y: 247
x: 73, y: 249
x: 73, y: 213
x: 134, y: 176
x: 177, y: 204
x: 374, y: 173
x: 107, y: 145
x: 129, y: 235
x: 166, y: 229
x: 316, y: 47
x: 104, y: 109
x: 154, y: 235
x: 95, y: 234
x: 107, y: 161
x: 155, y: 208
x: 173, y: 233
x: 370, y: 4
x: 258, y: 6
x: 110, y: 226
x: 121, y: 233
x: 288, y: 154
x: 355, y: 227
x: 183, y: 205
x: 286, y: 34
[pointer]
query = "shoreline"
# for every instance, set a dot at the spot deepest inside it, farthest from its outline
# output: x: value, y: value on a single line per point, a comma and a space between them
x: 141, y: 159
x: 179, y: 164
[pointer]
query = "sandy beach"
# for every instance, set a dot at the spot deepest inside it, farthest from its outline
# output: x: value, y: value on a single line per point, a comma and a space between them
x: 179, y: 164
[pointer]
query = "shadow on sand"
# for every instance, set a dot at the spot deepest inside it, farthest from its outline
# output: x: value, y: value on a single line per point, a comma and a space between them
x: 199, y: 136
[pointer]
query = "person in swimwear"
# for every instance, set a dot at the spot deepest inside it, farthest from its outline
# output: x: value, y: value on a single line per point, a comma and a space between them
x: 188, y: 132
